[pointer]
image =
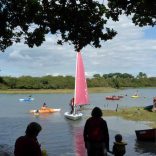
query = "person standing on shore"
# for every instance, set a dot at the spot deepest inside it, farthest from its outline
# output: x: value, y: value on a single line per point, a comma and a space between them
x: 96, y: 135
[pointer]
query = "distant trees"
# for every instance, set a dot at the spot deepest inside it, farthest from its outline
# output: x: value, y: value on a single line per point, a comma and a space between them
x: 141, y: 75
x: 118, y: 75
x: 115, y: 80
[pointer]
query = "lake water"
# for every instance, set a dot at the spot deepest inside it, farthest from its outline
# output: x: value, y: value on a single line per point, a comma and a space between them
x: 63, y: 137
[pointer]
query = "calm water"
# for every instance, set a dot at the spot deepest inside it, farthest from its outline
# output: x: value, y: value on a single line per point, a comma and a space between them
x: 62, y: 137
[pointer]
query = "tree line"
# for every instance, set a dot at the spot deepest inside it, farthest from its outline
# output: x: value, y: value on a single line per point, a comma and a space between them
x: 114, y: 80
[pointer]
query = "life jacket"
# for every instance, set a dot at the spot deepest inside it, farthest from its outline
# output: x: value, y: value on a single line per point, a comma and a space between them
x: 119, y: 148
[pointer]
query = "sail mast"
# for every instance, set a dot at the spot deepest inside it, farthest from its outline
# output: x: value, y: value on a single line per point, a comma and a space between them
x: 75, y: 93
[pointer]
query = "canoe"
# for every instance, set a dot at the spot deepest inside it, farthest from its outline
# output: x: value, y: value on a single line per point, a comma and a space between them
x: 26, y: 99
x: 47, y: 110
x: 146, y: 134
x: 134, y: 96
x: 112, y: 98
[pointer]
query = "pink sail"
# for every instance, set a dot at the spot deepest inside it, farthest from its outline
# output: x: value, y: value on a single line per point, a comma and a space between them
x: 81, y: 91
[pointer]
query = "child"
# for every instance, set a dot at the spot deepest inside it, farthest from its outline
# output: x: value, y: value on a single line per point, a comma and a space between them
x: 119, y: 148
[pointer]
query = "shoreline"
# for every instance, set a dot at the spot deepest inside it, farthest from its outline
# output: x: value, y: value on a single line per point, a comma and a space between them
x: 57, y: 91
x: 133, y: 114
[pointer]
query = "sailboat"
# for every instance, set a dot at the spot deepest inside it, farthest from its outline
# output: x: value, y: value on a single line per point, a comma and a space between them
x: 81, y: 91
x: 135, y: 95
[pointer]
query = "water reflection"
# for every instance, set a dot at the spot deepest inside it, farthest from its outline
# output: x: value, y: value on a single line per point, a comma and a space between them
x: 79, y: 142
x: 6, y: 150
x: 145, y: 147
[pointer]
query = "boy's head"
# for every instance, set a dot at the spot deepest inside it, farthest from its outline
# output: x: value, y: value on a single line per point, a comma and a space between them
x: 118, y: 138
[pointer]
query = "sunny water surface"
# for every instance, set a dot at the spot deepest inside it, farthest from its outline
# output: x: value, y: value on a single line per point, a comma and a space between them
x: 62, y: 137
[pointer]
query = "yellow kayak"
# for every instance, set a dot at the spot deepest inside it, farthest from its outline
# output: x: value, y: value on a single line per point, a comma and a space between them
x: 134, y: 96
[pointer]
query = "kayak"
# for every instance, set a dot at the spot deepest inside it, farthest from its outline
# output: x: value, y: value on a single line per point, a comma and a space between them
x: 26, y: 99
x: 135, y: 96
x: 47, y: 110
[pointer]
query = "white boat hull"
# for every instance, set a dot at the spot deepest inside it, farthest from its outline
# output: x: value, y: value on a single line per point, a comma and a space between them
x: 73, y: 116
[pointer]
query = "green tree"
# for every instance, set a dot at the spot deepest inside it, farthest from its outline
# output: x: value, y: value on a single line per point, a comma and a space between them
x: 9, y: 81
x: 96, y: 75
x: 141, y: 75
x: 143, y: 12
x: 77, y: 22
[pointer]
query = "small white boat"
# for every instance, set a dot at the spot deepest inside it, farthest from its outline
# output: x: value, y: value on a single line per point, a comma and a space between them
x: 73, y: 116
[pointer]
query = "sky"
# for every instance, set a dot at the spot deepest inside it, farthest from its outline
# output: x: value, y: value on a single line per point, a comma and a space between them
x: 133, y: 50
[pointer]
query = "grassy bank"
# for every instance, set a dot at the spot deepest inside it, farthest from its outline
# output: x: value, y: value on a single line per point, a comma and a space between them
x: 135, y: 114
x: 48, y: 91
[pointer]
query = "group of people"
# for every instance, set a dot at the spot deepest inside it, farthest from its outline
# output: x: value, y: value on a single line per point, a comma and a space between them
x: 95, y: 134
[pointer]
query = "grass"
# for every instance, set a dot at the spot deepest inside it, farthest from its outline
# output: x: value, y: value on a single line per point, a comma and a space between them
x: 48, y: 91
x: 135, y: 114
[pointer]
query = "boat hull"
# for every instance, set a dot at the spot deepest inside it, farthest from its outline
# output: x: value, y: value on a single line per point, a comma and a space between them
x: 49, y: 110
x: 134, y: 96
x: 149, y: 108
x: 73, y: 116
x: 112, y: 98
x: 146, y: 134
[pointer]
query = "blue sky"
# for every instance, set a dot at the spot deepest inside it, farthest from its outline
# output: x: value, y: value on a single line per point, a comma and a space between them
x: 150, y: 33
x: 133, y: 50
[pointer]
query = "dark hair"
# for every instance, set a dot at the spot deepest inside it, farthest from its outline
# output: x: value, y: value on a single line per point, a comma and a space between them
x: 33, y: 129
x: 96, y: 112
x: 118, y: 137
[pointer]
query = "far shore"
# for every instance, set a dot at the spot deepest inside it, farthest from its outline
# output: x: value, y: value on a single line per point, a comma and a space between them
x: 134, y: 114
x: 59, y: 91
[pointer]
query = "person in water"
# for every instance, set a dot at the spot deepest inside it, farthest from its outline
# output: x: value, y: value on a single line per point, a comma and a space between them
x: 44, y: 105
x: 29, y: 97
x: 96, y: 135
x: 119, y: 148
x: 72, y: 105
x: 28, y: 145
